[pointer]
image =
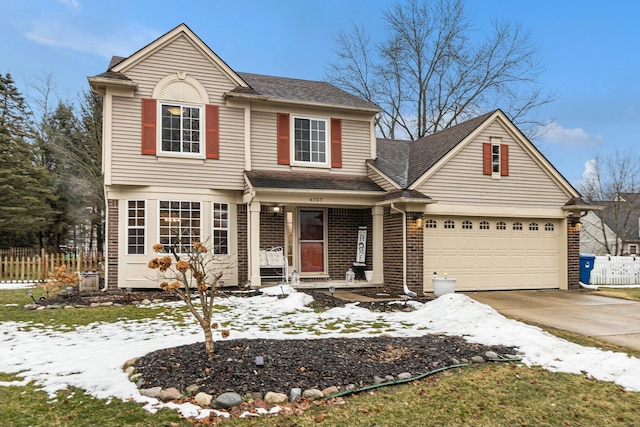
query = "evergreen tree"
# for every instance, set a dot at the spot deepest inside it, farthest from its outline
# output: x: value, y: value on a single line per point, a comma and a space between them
x: 25, y: 190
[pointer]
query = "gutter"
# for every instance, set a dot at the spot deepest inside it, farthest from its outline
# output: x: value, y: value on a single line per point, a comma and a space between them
x: 405, y: 288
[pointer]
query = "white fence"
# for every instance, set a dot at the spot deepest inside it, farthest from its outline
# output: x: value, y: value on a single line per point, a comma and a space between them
x: 616, y: 270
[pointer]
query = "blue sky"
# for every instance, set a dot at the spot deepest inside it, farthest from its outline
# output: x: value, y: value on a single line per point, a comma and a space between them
x: 591, y: 51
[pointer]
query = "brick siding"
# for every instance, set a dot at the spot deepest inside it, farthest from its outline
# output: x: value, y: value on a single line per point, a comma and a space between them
x: 242, y: 236
x: 342, y: 233
x: 573, y: 257
x: 392, y: 249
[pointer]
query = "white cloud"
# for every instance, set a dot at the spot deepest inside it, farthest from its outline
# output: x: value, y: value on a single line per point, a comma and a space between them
x: 123, y: 42
x: 74, y: 4
x: 554, y: 133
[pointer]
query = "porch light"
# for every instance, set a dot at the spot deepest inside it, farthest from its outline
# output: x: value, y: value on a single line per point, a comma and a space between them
x: 276, y: 210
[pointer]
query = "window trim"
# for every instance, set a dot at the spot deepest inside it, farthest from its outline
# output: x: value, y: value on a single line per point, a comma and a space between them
x: 202, y: 130
x: 143, y: 227
x: 327, y: 142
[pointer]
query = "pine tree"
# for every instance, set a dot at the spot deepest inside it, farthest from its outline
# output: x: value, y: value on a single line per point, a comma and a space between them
x: 25, y: 190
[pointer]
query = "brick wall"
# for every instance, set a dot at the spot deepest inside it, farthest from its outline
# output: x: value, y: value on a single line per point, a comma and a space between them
x: 573, y: 257
x: 392, y: 249
x: 415, y: 254
x: 241, y: 226
x: 342, y: 234
x: 112, y: 243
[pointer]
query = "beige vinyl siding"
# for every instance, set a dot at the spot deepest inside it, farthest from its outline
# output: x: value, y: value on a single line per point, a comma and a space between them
x: 461, y: 182
x: 385, y: 184
x: 129, y: 166
x: 356, y: 140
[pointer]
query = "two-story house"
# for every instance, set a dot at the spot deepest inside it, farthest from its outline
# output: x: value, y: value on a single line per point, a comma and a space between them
x: 248, y: 162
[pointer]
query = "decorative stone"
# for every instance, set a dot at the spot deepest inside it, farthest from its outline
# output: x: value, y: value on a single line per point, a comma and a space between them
x: 169, y: 394
x: 136, y: 302
x: 157, y: 300
x: 203, y: 399
x: 106, y: 304
x: 404, y: 375
x: 272, y: 397
x: 330, y: 390
x: 312, y: 394
x: 41, y: 307
x: 477, y: 359
x: 135, y: 377
x: 350, y: 387
x: 454, y: 361
x: 153, y: 392
x: 255, y: 395
x: 54, y: 307
x: 192, y: 389
x: 295, y: 394
x: 491, y: 355
x: 129, y: 362
x: 227, y: 400
x: 145, y: 301
x: 68, y: 307
x: 378, y: 380
x: 130, y: 370
x: 30, y: 307
x: 94, y: 305
x: 389, y: 378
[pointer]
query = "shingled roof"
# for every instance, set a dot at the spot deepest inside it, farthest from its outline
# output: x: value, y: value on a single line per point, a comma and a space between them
x: 311, y: 181
x: 300, y: 90
x: 406, y: 161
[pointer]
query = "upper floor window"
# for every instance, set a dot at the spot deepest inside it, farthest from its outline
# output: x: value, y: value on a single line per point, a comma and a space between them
x: 310, y: 136
x: 495, y: 158
x: 181, y: 129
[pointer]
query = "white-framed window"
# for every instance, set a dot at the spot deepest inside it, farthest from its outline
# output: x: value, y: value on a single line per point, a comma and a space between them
x: 484, y: 225
x: 431, y: 223
x: 179, y: 224
x: 549, y: 227
x: 310, y: 146
x: 450, y: 224
x: 501, y: 225
x: 495, y: 159
x: 517, y: 226
x: 136, y: 221
x: 181, y: 129
x: 533, y: 226
x: 467, y: 225
x: 633, y: 249
x: 220, y: 229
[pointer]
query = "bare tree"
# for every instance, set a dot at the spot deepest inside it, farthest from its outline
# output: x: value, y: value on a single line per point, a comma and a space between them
x: 428, y: 74
x: 614, y: 182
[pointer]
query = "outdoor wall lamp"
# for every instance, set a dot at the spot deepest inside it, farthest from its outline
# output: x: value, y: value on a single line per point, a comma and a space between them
x: 276, y: 210
x: 417, y: 217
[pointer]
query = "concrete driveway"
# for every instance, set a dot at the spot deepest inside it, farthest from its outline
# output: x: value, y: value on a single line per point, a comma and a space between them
x: 608, y: 319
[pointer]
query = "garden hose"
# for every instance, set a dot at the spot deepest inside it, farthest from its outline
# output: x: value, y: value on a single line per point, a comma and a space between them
x: 416, y: 378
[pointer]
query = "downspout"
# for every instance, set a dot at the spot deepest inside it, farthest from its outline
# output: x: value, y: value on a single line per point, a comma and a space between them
x: 106, y: 239
x: 405, y: 288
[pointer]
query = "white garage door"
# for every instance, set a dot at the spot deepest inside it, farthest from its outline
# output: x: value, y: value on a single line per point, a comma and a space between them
x: 494, y: 253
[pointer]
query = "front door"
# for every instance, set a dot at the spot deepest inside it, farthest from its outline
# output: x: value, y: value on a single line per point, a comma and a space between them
x: 312, y: 241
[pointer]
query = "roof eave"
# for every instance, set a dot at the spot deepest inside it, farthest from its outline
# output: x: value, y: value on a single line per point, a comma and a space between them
x: 99, y: 84
x: 298, y: 102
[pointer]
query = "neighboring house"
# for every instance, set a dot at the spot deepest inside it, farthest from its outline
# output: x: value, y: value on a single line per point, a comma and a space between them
x: 249, y: 162
x: 619, y: 221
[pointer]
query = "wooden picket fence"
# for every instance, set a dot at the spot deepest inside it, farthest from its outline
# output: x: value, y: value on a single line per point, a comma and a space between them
x: 38, y: 267
x: 615, y: 270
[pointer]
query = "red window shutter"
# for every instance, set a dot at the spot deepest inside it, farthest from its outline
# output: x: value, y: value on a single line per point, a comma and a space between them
x: 212, y: 123
x: 336, y: 143
x: 283, y: 139
x: 504, y: 160
x: 149, y: 114
x: 486, y: 158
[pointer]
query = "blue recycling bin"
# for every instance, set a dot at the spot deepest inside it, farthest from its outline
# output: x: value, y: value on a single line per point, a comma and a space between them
x: 586, y: 265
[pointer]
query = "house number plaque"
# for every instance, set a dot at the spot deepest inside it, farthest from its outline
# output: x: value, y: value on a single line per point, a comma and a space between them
x: 315, y: 199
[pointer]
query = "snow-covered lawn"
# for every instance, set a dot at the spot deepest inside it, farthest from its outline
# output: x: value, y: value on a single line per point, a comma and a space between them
x: 91, y: 357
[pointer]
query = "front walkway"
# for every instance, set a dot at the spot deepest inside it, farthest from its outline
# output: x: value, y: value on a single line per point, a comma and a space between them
x: 608, y: 319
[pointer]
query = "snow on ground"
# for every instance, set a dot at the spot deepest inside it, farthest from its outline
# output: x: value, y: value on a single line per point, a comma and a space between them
x: 17, y: 284
x: 91, y: 357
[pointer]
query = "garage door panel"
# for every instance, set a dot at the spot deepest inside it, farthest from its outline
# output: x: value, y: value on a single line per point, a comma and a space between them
x: 483, y: 259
